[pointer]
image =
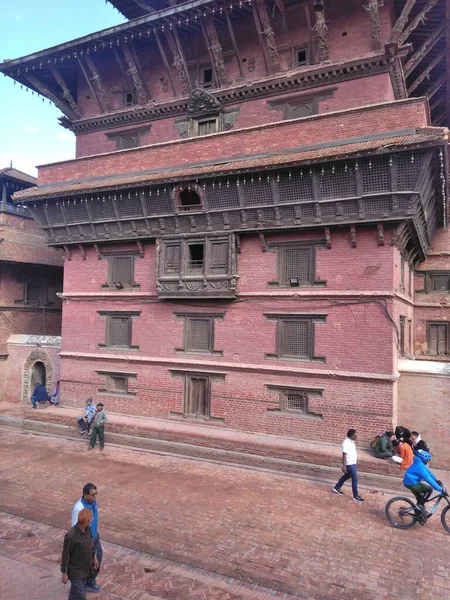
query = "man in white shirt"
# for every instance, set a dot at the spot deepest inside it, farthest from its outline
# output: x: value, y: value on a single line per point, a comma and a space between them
x: 349, y: 458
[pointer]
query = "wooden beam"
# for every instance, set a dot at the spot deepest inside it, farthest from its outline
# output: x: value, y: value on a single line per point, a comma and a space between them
x: 210, y: 54
x: 400, y: 24
x: 180, y: 63
x: 436, y: 87
x: 274, y: 59
x: 66, y: 92
x: 260, y: 38
x: 165, y: 62
x: 46, y: 91
x: 374, y: 12
x: 428, y: 44
x: 233, y: 42
x: 440, y: 117
x: 437, y: 102
x: 322, y: 31
x: 89, y: 82
x: 420, y: 18
x: 145, y: 6
x: 98, y: 83
x: 216, y: 50
x: 133, y: 72
x: 312, y: 46
x: 426, y: 72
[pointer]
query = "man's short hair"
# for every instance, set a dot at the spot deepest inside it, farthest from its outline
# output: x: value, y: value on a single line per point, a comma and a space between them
x: 88, y: 488
x: 100, y: 404
x: 422, y: 445
x: 390, y: 433
x: 84, y: 516
x: 351, y: 432
x: 416, y: 433
x: 90, y: 399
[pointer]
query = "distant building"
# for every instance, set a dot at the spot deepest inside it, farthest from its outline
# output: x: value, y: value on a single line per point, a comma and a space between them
x: 30, y: 277
x: 256, y: 184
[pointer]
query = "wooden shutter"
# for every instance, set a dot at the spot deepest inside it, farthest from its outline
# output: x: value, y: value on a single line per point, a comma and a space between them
x: 297, y: 263
x: 119, y: 331
x: 122, y: 270
x: 439, y: 282
x: 197, y: 397
x: 218, y: 257
x: 118, y: 383
x: 199, y: 336
x: 295, y: 338
x: 437, y: 339
x: 402, y: 336
x: 172, y: 263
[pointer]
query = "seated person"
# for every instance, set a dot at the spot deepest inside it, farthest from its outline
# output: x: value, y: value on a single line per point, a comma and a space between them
x: 54, y: 398
x: 415, y: 438
x: 422, y: 445
x: 85, y: 421
x: 416, y: 474
x: 40, y: 394
x: 383, y: 448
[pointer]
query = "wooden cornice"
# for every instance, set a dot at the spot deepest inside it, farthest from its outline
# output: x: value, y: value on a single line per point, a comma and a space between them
x: 425, y: 48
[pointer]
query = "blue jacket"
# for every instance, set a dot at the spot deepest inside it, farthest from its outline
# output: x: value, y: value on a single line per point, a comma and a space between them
x: 418, y: 472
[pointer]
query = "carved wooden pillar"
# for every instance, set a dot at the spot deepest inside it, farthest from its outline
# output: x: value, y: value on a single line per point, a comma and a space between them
x: 98, y: 83
x: 66, y: 92
x: 179, y: 62
x: 322, y: 30
x: 133, y: 72
x: 216, y: 50
x: 267, y: 31
x: 373, y: 9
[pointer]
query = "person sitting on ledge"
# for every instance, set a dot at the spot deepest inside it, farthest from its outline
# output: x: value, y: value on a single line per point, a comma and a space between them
x: 40, y: 394
x: 383, y: 448
x: 54, y: 399
x: 85, y: 421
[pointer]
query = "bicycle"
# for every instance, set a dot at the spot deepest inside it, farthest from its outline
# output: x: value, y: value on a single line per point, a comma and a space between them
x: 403, y: 513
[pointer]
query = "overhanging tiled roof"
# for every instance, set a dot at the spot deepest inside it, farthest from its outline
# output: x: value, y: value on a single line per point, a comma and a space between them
x: 19, y: 175
x: 429, y: 136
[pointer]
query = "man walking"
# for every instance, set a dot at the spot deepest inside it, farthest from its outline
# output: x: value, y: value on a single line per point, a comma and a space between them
x: 89, y: 501
x: 78, y: 558
x: 349, y: 458
x: 98, y: 427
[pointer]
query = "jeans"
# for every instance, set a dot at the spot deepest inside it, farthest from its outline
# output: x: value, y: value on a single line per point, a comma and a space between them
x: 98, y: 547
x: 98, y: 430
x: 83, y: 425
x: 77, y: 589
x: 385, y: 454
x: 352, y: 474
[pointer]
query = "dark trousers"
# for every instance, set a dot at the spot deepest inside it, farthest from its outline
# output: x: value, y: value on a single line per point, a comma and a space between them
x: 98, y: 430
x: 385, y: 454
x: 98, y: 548
x: 352, y: 474
x: 77, y: 589
x: 83, y: 424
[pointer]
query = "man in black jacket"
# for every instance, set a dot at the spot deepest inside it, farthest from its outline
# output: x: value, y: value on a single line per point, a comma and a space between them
x: 78, y: 559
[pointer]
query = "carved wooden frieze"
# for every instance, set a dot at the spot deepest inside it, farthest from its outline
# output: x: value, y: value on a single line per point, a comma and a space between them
x: 216, y: 50
x: 178, y: 60
x: 202, y: 103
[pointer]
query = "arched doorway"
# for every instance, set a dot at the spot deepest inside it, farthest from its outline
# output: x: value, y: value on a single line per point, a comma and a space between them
x: 38, y: 374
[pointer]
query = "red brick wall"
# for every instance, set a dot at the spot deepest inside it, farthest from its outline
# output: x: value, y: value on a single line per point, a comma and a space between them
x: 387, y: 117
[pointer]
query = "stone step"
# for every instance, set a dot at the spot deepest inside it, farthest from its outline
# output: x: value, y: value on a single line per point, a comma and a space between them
x: 309, y: 465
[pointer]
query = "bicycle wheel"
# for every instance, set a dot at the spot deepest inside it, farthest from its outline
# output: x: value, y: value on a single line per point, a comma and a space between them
x: 445, y: 518
x: 401, y: 512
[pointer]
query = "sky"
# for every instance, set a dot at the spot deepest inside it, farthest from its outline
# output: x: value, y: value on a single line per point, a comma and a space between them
x: 30, y: 134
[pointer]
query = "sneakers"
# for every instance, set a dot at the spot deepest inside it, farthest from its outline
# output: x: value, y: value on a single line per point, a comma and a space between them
x: 338, y: 491
x: 93, y: 588
x: 90, y: 448
x: 358, y: 499
x: 83, y: 431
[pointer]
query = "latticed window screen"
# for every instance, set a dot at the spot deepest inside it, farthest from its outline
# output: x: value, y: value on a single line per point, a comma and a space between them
x: 117, y: 383
x: 295, y: 338
x: 119, y: 331
x: 222, y: 197
x: 300, y: 110
x: 408, y: 169
x: 378, y: 205
x: 294, y: 400
x: 375, y: 174
x: 296, y: 262
x: 438, y: 339
x: 76, y: 213
x: 121, y: 270
x: 199, y: 334
x: 129, y: 205
x: 258, y: 193
x: 54, y: 213
x: 338, y: 182
x: 125, y: 142
x: 158, y: 202
x: 296, y: 188
x: 102, y: 208
x: 438, y: 282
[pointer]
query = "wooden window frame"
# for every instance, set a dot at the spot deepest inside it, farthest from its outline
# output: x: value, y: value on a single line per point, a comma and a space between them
x: 281, y: 410
x: 280, y: 320
x: 445, y: 324
x: 110, y: 281
x: 195, y: 125
x: 402, y: 336
x: 188, y: 318
x: 429, y: 281
x: 186, y: 375
x: 186, y: 209
x: 26, y: 295
x: 208, y: 269
x: 109, y: 316
x: 295, y: 62
x: 108, y: 390
x: 281, y: 249
x: 119, y: 137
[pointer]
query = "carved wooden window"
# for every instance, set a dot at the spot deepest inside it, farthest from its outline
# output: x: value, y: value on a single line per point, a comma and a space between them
x: 207, y: 126
x: 402, y: 274
x: 207, y: 77
x: 129, y: 98
x: 296, y: 401
x: 196, y: 258
x: 172, y: 259
x: 34, y: 294
x: 188, y: 200
x: 197, y: 397
x: 295, y: 336
x: 402, y: 336
x: 120, y: 271
x: 116, y: 384
x: 118, y: 329
x: 438, y: 339
x: 198, y: 333
x: 296, y: 264
x: 125, y: 142
x: 437, y: 281
x: 300, y: 56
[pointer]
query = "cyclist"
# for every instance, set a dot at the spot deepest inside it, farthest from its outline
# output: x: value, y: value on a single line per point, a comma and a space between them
x: 415, y: 477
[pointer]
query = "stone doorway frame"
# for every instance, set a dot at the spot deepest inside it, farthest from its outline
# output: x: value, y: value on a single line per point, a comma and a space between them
x: 35, y: 356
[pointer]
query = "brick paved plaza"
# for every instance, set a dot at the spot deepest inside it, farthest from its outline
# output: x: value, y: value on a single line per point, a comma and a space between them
x: 182, y: 529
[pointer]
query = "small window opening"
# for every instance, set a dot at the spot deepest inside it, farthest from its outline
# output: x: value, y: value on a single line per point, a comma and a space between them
x: 189, y: 200
x: 301, y: 56
x: 196, y: 256
x: 207, y: 78
x: 128, y: 98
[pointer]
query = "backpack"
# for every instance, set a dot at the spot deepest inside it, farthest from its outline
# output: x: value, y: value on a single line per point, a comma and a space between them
x: 374, y: 442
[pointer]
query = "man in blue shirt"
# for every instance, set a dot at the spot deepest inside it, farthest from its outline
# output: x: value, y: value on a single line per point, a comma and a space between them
x: 415, y: 476
x: 85, y: 421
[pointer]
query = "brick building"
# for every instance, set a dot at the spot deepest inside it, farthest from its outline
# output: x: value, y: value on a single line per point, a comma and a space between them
x: 255, y: 185
x: 30, y: 278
